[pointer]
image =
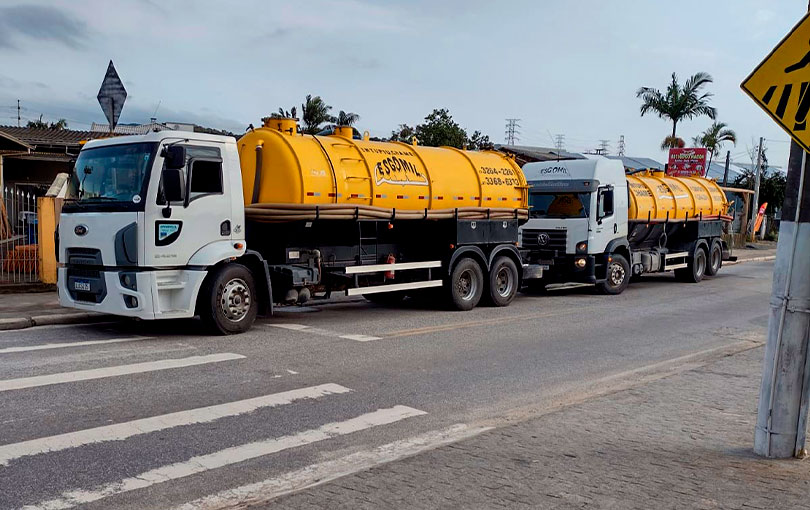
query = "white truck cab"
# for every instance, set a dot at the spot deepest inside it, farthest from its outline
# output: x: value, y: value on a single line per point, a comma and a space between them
x: 123, y: 249
x: 579, y: 229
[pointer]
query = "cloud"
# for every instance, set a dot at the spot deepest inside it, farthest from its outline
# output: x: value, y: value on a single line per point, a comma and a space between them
x: 40, y: 22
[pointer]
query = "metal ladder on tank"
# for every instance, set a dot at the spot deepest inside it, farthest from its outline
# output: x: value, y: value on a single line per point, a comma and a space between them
x: 366, y: 242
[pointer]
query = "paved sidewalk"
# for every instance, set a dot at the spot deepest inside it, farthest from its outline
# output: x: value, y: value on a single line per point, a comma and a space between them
x: 26, y: 309
x: 680, y: 442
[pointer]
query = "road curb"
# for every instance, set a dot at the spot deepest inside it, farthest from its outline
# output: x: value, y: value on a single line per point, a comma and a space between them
x: 752, y: 259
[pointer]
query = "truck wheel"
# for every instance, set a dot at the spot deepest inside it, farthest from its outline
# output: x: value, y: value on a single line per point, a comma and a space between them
x: 227, y: 303
x: 503, y: 281
x: 715, y: 260
x: 696, y: 270
x: 617, y: 277
x: 466, y: 285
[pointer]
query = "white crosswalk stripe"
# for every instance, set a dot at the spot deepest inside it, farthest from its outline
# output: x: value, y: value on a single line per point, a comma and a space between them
x: 121, y: 431
x: 98, y: 373
x: 228, y: 456
x: 84, y: 343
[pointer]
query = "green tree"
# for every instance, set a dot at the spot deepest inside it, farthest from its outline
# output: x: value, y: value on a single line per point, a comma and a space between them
x: 37, y: 124
x: 346, y: 118
x: 479, y: 142
x: 285, y: 114
x: 314, y: 113
x: 678, y: 102
x: 672, y: 142
x: 714, y: 137
x: 403, y: 133
x: 59, y: 124
x: 771, y: 186
x: 440, y: 129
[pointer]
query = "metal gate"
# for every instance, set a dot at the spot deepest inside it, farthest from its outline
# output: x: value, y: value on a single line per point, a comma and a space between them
x: 19, y: 260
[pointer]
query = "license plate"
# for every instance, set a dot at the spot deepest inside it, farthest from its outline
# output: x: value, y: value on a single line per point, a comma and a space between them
x: 545, y: 267
x: 82, y: 285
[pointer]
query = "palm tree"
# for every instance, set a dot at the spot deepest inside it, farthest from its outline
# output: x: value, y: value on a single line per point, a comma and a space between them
x: 346, y: 118
x: 714, y: 138
x: 672, y: 142
x: 314, y: 112
x: 679, y: 102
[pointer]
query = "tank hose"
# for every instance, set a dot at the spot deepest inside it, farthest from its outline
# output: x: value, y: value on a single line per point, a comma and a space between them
x: 662, y: 240
x: 257, y: 178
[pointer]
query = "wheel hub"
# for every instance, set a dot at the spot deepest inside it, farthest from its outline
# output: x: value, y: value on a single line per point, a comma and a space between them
x: 466, y: 285
x: 503, y: 282
x: 617, y: 274
x: 235, y: 300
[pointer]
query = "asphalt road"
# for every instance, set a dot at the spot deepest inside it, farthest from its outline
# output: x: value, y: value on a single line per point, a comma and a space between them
x: 155, y: 415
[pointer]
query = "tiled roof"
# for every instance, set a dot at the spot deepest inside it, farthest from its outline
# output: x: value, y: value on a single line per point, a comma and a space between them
x: 537, y: 153
x: 46, y: 137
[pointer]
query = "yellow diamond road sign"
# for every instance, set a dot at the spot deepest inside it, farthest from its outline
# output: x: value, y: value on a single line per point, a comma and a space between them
x: 780, y: 83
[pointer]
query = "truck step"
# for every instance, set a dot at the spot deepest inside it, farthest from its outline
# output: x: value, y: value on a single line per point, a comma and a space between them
x: 394, y: 287
x: 376, y: 268
x: 670, y: 256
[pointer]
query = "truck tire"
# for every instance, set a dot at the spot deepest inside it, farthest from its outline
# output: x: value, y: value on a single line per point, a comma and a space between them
x: 617, y: 276
x: 696, y: 270
x: 715, y: 259
x: 503, y: 282
x: 227, y: 302
x: 465, y: 285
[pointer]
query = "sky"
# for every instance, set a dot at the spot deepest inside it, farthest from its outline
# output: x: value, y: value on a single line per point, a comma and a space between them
x: 568, y: 68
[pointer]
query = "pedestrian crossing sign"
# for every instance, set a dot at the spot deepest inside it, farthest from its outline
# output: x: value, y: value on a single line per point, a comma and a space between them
x: 780, y: 83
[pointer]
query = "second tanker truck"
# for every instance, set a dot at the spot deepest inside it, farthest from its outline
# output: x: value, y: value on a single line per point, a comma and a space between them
x: 591, y: 223
x: 177, y: 224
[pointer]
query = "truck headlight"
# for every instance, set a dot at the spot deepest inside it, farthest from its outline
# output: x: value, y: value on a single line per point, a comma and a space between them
x: 580, y: 262
x: 582, y: 247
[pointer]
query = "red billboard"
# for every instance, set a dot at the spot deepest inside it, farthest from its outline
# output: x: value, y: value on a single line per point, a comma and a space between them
x: 687, y: 162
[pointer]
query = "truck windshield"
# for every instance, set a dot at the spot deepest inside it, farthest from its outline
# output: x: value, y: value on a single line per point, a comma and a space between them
x: 559, y: 205
x: 115, y: 174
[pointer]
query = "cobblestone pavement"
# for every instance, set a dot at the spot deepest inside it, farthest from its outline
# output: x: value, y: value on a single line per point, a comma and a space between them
x: 680, y: 442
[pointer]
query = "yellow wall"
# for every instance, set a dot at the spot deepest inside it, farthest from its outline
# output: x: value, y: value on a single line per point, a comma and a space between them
x: 48, y: 209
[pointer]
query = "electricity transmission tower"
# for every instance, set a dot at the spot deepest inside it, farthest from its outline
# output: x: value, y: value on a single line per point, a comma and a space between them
x: 604, y: 147
x: 512, y: 131
x: 559, y: 143
x: 621, y: 146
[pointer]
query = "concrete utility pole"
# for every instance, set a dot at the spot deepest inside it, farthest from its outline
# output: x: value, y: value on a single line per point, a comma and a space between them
x: 18, y: 113
x: 725, y: 174
x: 785, y: 390
x: 756, y: 182
x: 621, y: 146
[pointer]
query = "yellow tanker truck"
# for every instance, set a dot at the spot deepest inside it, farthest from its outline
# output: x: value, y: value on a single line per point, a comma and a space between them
x: 221, y: 228
x: 589, y: 222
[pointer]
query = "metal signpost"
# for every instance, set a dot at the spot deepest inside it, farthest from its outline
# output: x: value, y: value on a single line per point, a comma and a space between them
x: 781, y: 86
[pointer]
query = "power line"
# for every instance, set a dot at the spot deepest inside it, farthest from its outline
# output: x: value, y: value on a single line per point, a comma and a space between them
x: 512, y: 131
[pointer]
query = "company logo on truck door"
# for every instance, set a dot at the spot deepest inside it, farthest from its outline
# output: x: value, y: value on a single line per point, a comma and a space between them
x: 396, y: 170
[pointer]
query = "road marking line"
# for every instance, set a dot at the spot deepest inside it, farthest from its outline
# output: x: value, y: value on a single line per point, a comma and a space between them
x: 325, y: 332
x: 41, y: 347
x: 360, y: 338
x: 471, y: 324
x: 121, y: 431
x: 262, y: 492
x: 99, y: 373
x: 227, y: 457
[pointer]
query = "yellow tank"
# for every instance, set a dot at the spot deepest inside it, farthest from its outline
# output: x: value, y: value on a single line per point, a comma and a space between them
x: 656, y: 196
x: 336, y: 169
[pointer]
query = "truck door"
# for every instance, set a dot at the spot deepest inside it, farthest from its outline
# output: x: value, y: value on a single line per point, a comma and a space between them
x: 173, y: 234
x: 606, y: 225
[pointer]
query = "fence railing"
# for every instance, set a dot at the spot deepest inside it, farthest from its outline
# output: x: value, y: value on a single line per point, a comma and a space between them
x: 19, y: 261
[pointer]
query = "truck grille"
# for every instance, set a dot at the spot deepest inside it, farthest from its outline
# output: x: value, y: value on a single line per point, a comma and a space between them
x: 545, y: 239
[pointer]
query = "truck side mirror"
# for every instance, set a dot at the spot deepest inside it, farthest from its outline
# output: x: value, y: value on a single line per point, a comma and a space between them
x: 175, y: 156
x: 174, y: 185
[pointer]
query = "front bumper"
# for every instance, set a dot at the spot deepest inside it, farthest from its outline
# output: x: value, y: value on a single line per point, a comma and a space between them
x: 157, y: 294
x: 563, y: 268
